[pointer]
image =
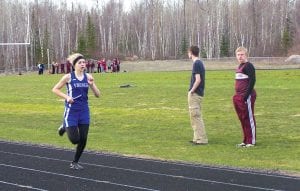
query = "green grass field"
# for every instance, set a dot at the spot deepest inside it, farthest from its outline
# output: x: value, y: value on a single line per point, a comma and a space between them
x: 151, y: 119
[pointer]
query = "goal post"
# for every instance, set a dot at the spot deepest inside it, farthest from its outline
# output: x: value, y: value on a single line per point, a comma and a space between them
x: 24, y: 44
x: 14, y: 43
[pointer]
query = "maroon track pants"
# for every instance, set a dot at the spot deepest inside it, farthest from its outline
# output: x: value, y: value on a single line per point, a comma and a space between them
x: 245, y: 112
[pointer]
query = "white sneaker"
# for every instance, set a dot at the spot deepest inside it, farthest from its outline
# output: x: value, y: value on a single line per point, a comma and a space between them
x: 76, y: 166
x: 241, y: 145
x: 249, y: 145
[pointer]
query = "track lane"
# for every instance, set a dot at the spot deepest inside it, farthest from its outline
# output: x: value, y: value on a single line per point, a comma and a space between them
x: 140, y: 173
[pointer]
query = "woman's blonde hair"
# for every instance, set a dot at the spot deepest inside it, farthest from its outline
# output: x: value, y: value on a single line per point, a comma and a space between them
x: 74, y: 58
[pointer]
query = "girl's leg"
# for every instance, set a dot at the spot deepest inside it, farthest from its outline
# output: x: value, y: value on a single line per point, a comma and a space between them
x: 73, y: 134
x: 83, y: 130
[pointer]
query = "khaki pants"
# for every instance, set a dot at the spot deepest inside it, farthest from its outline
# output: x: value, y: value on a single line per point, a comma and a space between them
x: 195, y: 106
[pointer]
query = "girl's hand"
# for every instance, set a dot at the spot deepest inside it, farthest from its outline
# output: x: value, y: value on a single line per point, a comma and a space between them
x: 70, y: 100
x: 91, y: 81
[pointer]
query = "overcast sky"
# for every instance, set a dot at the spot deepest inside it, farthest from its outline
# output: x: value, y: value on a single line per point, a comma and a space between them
x: 89, y: 3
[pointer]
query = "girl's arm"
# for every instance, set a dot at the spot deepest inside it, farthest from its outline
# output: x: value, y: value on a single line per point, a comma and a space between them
x: 57, y: 88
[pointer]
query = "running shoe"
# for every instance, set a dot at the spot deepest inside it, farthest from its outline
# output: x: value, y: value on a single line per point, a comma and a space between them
x: 61, y: 130
x: 76, y: 166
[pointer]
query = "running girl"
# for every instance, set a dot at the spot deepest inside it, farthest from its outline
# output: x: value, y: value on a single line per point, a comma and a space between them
x: 77, y: 115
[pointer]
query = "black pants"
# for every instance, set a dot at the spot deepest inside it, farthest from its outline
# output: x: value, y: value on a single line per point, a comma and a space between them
x: 78, y: 135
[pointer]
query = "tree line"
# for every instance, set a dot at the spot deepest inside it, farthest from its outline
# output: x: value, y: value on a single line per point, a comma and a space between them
x: 151, y: 29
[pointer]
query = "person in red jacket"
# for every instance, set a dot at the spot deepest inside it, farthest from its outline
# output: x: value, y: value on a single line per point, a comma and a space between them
x: 62, y: 67
x: 245, y: 97
x: 68, y: 64
x: 99, y: 66
x: 92, y: 63
x: 104, y: 67
x: 88, y: 66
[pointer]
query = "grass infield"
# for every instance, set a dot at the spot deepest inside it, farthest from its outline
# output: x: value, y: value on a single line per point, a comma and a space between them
x: 150, y: 118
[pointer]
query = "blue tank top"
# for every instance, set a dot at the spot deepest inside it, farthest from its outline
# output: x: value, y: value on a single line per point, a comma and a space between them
x: 78, y: 90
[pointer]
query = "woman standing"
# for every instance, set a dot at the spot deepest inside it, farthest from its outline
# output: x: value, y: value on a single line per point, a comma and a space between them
x: 76, y: 115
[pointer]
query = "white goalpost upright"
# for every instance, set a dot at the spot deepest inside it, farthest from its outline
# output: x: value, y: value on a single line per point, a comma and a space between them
x: 20, y: 44
x: 26, y: 43
x: 14, y: 43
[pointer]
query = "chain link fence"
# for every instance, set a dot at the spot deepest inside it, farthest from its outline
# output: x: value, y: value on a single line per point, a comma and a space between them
x: 210, y: 64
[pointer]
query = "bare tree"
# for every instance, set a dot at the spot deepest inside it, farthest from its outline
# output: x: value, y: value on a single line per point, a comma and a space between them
x: 151, y: 29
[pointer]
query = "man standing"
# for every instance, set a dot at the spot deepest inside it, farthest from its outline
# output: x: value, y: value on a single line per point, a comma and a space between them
x: 41, y: 68
x: 62, y: 67
x: 195, y: 97
x: 245, y: 97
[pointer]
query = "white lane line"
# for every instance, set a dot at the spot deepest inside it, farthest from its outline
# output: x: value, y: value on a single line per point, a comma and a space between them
x: 76, y: 177
x: 147, y: 172
x: 240, y: 171
x: 22, y: 186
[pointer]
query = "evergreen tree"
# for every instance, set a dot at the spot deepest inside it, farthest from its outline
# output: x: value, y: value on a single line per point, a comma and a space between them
x: 224, y: 47
x: 203, y: 53
x: 37, y: 48
x: 45, y: 46
x: 183, y: 46
x: 91, y: 37
x: 287, y: 37
x: 82, y: 44
x: 36, y: 45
